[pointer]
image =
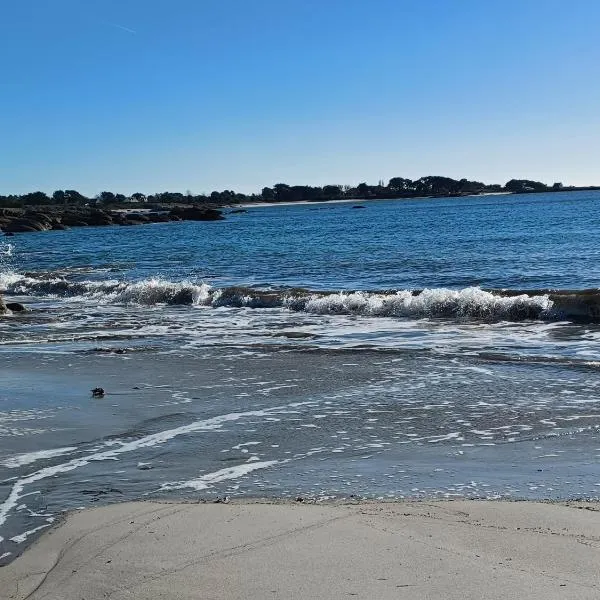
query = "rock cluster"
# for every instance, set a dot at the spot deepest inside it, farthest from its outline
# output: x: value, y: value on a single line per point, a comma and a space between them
x: 13, y: 307
x: 14, y: 221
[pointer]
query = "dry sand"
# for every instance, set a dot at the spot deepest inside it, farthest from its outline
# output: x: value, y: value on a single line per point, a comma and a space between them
x: 414, y: 550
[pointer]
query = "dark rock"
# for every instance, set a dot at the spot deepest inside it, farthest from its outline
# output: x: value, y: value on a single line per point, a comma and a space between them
x: 358, y: 206
x: 193, y: 213
x: 73, y: 220
x: 103, y: 492
x: 23, y: 225
x: 58, y: 218
x: 97, y: 218
x: 138, y: 217
x: 158, y: 217
x: 38, y: 217
x: 111, y: 350
x: 15, y: 307
x: 2, y: 306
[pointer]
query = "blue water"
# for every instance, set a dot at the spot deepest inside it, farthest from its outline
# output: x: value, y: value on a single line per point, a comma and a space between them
x: 306, y: 350
x: 520, y: 242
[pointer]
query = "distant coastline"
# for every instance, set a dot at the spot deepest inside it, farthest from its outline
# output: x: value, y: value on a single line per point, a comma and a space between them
x: 396, y: 188
x: 64, y: 209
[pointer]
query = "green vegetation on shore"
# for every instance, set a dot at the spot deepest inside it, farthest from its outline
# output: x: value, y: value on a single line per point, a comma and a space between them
x: 397, y: 187
x: 37, y: 211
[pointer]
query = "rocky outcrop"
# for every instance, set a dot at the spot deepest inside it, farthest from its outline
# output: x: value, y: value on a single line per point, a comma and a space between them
x: 6, y: 307
x: 54, y: 218
x: 194, y: 213
x: 15, y: 307
x: 22, y: 226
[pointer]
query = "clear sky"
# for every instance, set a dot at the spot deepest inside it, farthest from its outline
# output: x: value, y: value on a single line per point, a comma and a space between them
x: 155, y: 95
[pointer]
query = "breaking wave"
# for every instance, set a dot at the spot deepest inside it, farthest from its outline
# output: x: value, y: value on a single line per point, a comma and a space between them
x: 466, y: 303
x: 147, y: 292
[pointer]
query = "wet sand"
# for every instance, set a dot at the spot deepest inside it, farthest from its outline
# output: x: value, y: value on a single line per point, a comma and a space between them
x: 413, y: 550
x: 318, y: 424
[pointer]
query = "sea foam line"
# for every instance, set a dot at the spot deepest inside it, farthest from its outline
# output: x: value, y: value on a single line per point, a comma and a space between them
x: 20, y: 460
x: 205, y: 481
x: 16, y: 492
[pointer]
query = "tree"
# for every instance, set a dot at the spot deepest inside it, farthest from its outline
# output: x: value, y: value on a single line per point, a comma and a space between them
x: 436, y: 185
x: 470, y: 187
x: 400, y: 184
x: 227, y: 196
x: 362, y: 190
x: 268, y: 195
x: 520, y: 186
x: 282, y: 192
x: 332, y: 192
x: 59, y: 197
x: 106, y: 197
x: 74, y: 197
x: 35, y: 198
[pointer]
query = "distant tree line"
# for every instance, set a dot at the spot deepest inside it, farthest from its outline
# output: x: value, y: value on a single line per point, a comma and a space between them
x: 397, y: 187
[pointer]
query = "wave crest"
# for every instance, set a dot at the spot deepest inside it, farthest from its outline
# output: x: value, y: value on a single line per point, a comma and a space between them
x: 147, y: 292
x: 471, y: 302
x: 466, y: 303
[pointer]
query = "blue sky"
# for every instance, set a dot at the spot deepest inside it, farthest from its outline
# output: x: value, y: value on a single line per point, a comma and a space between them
x: 154, y: 95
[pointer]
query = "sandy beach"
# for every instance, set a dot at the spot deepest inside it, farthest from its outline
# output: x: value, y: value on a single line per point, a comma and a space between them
x: 416, y: 550
x: 355, y: 200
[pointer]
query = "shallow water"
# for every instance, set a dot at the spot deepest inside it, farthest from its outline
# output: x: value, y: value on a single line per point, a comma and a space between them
x: 289, y: 351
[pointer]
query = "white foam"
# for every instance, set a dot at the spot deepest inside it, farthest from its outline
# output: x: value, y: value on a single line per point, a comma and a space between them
x: 445, y: 438
x: 6, y: 249
x: 240, y: 446
x: 9, y: 278
x: 468, y: 302
x: 20, y: 460
x: 16, y: 492
x: 149, y: 291
x: 19, y: 539
x: 206, y: 481
x: 157, y: 291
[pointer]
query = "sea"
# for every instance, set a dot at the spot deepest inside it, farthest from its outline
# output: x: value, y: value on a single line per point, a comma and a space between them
x: 400, y: 349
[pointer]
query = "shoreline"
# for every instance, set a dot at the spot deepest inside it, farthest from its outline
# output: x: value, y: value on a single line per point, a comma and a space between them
x: 280, y: 549
x: 359, y: 200
x: 58, y: 217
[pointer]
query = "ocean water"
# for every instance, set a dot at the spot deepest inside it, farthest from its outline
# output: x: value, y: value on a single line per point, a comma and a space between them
x: 428, y: 348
